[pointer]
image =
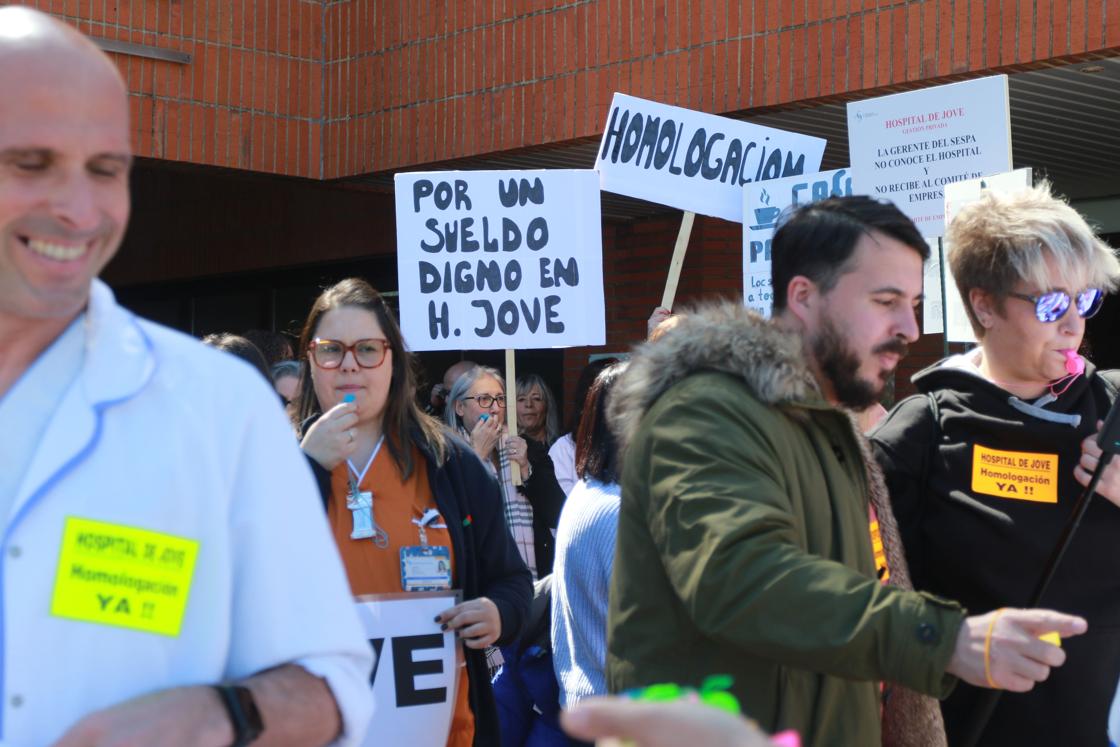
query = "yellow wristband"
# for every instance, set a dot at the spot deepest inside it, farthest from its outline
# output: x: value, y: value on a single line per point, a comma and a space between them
x: 988, y: 650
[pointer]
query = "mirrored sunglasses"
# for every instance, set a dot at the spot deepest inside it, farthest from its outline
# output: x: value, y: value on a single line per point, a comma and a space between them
x: 1053, y: 305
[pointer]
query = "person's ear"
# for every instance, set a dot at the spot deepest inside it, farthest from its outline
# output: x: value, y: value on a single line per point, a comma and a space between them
x: 983, y: 306
x: 459, y: 408
x: 803, y: 299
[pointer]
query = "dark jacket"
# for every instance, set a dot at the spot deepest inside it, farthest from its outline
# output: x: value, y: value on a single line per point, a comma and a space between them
x: 979, y: 528
x: 743, y: 540
x: 487, y: 563
x: 547, y: 499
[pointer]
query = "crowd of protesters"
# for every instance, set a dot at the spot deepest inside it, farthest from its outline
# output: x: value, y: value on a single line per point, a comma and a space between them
x: 712, y: 506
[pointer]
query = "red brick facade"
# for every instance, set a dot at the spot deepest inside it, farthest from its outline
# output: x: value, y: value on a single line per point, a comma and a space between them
x: 332, y: 88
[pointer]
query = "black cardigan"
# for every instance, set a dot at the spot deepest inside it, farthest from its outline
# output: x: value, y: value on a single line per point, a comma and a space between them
x: 487, y: 563
x: 547, y: 498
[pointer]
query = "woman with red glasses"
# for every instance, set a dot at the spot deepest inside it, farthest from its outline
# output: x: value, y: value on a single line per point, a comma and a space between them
x: 394, y: 480
x: 985, y: 464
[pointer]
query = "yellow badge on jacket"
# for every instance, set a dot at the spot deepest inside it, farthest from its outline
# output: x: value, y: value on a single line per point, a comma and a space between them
x: 111, y: 574
x: 1019, y: 475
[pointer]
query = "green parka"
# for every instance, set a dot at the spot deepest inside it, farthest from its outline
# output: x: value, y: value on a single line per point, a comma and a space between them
x: 743, y: 539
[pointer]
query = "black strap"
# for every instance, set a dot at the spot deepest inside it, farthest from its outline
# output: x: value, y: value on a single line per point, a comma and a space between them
x: 244, y: 716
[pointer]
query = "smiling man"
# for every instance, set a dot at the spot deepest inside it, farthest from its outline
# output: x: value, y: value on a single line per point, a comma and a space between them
x: 749, y: 502
x: 167, y: 577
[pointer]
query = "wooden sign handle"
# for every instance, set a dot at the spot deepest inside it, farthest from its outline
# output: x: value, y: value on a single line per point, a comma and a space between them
x: 511, y: 410
x: 678, y: 260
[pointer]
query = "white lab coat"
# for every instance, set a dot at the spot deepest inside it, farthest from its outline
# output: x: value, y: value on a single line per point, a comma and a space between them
x: 161, y: 433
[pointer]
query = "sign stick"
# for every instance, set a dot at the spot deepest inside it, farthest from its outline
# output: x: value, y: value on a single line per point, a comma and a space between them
x: 678, y: 260
x: 944, y: 298
x: 511, y: 410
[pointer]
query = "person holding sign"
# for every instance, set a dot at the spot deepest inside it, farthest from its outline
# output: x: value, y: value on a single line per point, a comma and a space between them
x: 148, y: 484
x: 410, y: 506
x: 744, y: 541
x: 985, y: 463
x: 476, y: 409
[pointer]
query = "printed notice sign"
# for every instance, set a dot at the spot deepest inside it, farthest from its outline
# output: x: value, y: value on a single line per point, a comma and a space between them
x: 1021, y: 475
x: 491, y: 260
x: 763, y: 205
x: 695, y: 161
x: 111, y: 574
x: 906, y: 147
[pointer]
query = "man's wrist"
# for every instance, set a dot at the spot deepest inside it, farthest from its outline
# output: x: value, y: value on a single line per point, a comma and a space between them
x: 242, y: 714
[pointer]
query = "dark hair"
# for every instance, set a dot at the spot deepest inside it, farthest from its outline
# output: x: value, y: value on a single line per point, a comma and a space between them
x: 284, y: 368
x: 240, y: 347
x: 402, y: 414
x: 583, y: 383
x: 275, y: 346
x: 596, y: 447
x: 817, y: 240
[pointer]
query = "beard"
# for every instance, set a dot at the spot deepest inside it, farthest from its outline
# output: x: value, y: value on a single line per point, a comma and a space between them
x: 840, y: 365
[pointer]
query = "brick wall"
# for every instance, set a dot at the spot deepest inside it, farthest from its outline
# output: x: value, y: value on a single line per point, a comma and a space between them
x: 331, y: 88
x: 251, y: 96
x: 482, y: 77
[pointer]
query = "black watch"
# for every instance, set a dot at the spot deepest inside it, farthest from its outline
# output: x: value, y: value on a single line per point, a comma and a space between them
x: 243, y: 713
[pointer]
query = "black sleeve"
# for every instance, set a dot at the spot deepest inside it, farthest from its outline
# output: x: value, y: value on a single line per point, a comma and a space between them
x: 503, y: 576
x: 902, y: 445
x: 322, y: 479
x: 542, y: 489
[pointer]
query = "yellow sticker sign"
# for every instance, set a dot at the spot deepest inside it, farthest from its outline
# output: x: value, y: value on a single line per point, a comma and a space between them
x: 112, y: 574
x: 882, y: 571
x: 1020, y: 475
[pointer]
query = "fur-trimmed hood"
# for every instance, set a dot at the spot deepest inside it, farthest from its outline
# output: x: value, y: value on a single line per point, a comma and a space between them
x: 726, y: 337
x: 716, y: 336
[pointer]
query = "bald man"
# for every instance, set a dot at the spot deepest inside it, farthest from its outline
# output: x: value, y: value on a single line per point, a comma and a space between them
x: 438, y: 398
x: 166, y: 575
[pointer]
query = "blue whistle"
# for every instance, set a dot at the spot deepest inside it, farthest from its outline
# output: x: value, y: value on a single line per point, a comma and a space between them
x: 349, y: 398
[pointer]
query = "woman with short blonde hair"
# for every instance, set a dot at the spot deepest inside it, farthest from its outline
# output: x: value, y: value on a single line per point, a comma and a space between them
x: 985, y: 464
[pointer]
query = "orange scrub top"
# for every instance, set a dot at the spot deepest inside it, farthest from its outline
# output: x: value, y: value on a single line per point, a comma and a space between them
x: 371, y: 570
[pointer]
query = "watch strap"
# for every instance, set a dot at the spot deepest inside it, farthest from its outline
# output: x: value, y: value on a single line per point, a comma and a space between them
x: 244, y: 716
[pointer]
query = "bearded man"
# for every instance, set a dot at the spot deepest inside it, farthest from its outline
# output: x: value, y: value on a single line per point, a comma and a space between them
x: 749, y: 503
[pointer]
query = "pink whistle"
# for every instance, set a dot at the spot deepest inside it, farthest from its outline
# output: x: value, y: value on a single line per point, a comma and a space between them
x: 1075, y: 364
x: 786, y: 739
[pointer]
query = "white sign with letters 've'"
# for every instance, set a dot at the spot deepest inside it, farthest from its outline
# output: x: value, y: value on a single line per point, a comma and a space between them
x: 906, y: 147
x: 763, y: 205
x: 694, y: 161
x: 491, y: 260
x: 415, y: 670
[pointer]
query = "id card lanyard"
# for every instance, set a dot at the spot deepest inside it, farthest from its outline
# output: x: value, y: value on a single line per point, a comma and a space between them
x: 360, y: 503
x: 425, y: 521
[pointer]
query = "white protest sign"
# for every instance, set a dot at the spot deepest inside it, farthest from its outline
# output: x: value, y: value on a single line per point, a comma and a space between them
x: 932, y: 320
x: 694, y: 161
x: 416, y: 670
x: 763, y: 203
x: 956, y: 197
x: 490, y: 260
x: 906, y: 147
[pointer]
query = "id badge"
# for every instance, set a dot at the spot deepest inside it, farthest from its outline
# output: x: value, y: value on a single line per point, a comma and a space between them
x: 425, y: 568
x: 361, y: 511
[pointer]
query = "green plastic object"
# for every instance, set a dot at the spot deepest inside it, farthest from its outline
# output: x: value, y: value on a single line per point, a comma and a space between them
x: 713, y: 692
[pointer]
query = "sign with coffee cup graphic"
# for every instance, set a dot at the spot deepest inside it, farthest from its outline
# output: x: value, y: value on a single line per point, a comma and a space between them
x: 763, y: 206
